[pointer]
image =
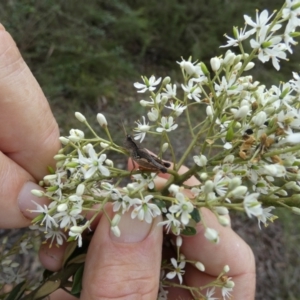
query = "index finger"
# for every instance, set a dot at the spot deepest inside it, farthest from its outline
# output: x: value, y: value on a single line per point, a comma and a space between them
x: 28, y: 136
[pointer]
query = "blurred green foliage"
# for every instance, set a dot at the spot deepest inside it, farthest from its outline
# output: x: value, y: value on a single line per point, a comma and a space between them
x: 82, y: 51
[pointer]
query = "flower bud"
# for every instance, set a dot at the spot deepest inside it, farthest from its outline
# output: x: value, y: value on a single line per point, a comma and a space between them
x: 59, y: 157
x: 260, y: 118
x: 37, y: 193
x: 204, y: 69
x: 226, y: 269
x: 229, y: 284
x: 109, y: 162
x: 221, y: 210
x: 174, y: 189
x: 242, y: 112
x: 234, y: 183
x: 153, y: 114
x: 237, y: 66
x: 116, y: 220
x: 50, y: 177
x: 296, y: 210
x: 212, y: 235
x: 203, y: 176
x: 64, y: 140
x: 215, y: 64
x: 223, y: 220
x: 178, y: 241
x: 249, y: 66
x: 188, y: 67
x: 208, y: 186
x: 101, y: 120
x: 228, y: 159
x: 62, y: 207
x: 104, y: 145
x: 229, y: 58
x: 209, y: 111
x: 238, y: 192
x: 116, y: 231
x: 80, y: 189
x: 166, y: 80
x: 237, y: 59
x: 200, y: 266
x: 77, y: 229
x: 80, y: 117
x: 164, y: 147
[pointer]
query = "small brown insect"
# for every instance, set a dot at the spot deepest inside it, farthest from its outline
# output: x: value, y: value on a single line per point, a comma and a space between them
x: 144, y: 159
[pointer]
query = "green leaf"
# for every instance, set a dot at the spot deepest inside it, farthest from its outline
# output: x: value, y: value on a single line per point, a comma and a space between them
x: 77, y: 282
x: 71, y: 247
x: 189, y: 231
x: 17, y: 292
x: 51, y: 170
x: 45, y: 289
x: 195, y: 215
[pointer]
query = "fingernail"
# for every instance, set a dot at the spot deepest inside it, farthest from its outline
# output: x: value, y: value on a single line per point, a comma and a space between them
x: 25, y: 199
x: 132, y: 230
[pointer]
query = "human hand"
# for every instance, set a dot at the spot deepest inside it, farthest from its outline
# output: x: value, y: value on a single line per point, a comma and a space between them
x: 28, y: 136
x: 128, y: 267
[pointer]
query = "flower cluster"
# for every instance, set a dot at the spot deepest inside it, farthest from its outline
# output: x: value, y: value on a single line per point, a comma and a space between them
x: 245, y: 151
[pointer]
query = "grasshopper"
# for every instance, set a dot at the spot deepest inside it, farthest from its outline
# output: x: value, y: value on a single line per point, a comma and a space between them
x: 143, y: 158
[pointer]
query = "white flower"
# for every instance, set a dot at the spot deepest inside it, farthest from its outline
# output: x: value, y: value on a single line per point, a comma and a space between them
x: 55, y: 234
x: 200, y: 160
x: 167, y: 124
x: 259, y: 119
x: 210, y: 293
x: 49, y: 220
x: 178, y: 270
x: 70, y: 216
x: 123, y: 203
x: 240, y: 35
x: 144, y: 210
x: 141, y: 130
x: 187, y: 66
x: 193, y: 91
x: 252, y: 206
x: 142, y: 180
x: 153, y: 114
x: 220, y: 184
x: 226, y: 292
x: 183, y: 208
x: 265, y: 216
x: 170, y: 91
x: 228, y: 86
x: 261, y: 20
x: 177, y: 108
x: 149, y: 84
x: 269, y: 47
x: 93, y: 163
x: 171, y: 223
x: 76, y: 135
x: 241, y: 113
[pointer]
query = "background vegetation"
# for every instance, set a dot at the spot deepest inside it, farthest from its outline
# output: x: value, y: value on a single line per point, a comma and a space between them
x: 86, y: 57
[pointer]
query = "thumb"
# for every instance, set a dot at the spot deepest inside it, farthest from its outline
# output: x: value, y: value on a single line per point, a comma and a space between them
x: 125, y: 267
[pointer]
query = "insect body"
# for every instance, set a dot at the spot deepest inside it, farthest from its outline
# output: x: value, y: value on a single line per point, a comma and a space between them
x: 144, y: 159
